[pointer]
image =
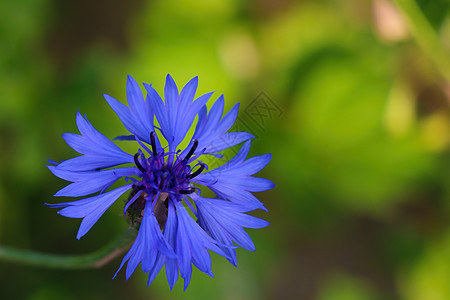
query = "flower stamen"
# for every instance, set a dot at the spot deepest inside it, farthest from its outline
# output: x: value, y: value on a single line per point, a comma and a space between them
x: 191, y: 152
x: 196, y: 173
x: 138, y: 164
x: 189, y: 190
x: 163, y: 181
x: 152, y: 138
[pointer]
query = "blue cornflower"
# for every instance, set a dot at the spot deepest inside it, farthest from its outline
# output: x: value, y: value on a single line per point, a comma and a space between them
x: 162, y: 180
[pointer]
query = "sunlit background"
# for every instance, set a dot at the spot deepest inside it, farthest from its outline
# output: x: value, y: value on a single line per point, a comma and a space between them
x: 351, y: 97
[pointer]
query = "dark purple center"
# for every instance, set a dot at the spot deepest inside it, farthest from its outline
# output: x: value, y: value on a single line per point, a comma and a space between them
x: 164, y: 173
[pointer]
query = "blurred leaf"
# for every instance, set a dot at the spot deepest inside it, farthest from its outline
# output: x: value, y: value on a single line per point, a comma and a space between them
x: 346, y: 288
x: 429, y: 277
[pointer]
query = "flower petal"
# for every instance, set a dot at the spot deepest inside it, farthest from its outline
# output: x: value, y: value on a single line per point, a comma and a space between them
x: 233, y: 180
x: 226, y: 141
x: 138, y: 117
x: 149, y: 242
x: 211, y: 130
x: 192, y: 244
x: 98, y: 151
x: 93, y: 162
x: 88, y: 182
x: 170, y: 233
x: 225, y: 221
x: 91, y: 209
x: 176, y: 115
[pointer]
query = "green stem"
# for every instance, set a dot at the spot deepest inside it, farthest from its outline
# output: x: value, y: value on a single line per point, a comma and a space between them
x: 425, y: 36
x: 92, y: 260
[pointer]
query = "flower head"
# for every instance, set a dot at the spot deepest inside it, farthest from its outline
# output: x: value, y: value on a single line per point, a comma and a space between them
x: 163, y: 177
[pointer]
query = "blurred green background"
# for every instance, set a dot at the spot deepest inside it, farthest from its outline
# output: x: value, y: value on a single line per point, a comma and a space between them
x: 351, y: 97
